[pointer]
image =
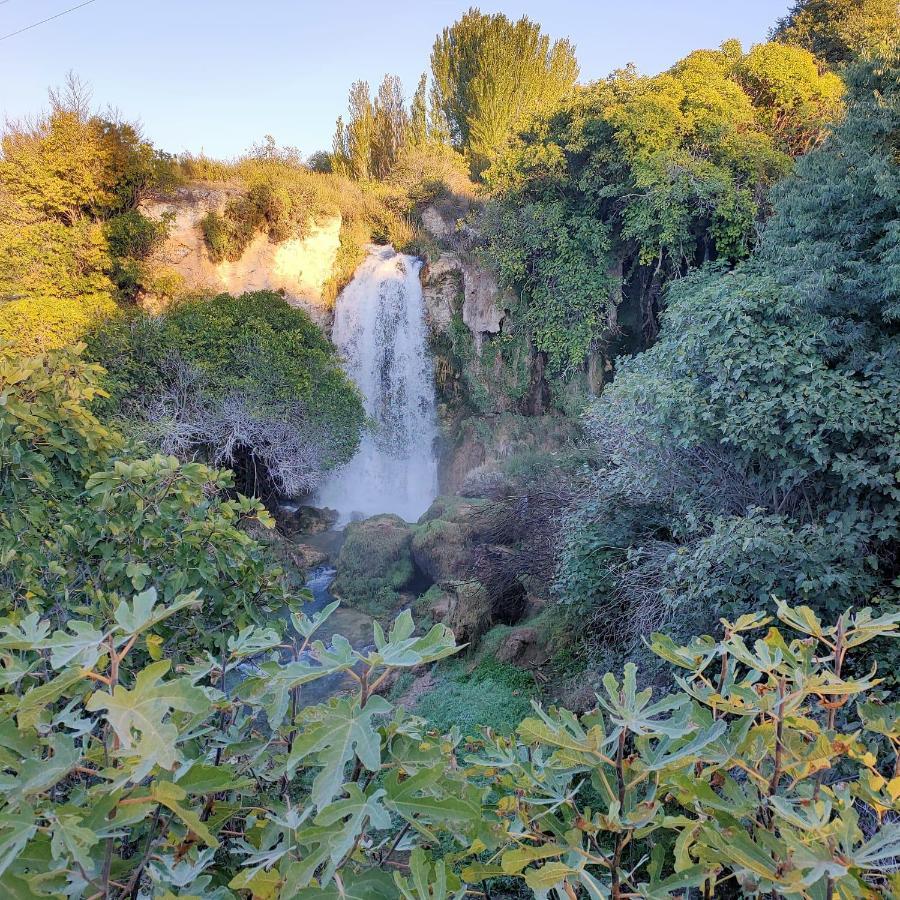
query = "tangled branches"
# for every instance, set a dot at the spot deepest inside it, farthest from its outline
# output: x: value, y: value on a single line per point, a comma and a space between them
x: 282, y: 455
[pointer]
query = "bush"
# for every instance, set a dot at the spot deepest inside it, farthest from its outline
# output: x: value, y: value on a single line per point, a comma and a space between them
x: 82, y: 517
x: 32, y: 325
x: 250, y: 380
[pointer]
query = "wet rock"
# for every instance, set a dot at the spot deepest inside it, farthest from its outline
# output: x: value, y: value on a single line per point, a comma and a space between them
x: 306, y: 557
x: 294, y: 518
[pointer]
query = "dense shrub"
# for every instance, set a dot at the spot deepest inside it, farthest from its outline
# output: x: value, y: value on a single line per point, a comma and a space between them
x: 71, y: 240
x: 250, y: 380
x: 635, y: 180
x: 84, y: 522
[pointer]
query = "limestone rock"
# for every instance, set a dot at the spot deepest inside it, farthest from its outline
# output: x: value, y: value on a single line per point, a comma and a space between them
x: 483, y: 308
x: 453, y: 284
x: 437, y: 224
x: 298, y: 267
x: 442, y: 291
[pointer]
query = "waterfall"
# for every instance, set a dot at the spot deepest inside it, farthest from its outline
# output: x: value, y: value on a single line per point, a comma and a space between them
x: 379, y: 329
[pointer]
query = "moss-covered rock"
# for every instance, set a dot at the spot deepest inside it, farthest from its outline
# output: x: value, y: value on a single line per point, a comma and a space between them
x: 471, y: 612
x: 442, y: 542
x: 375, y: 564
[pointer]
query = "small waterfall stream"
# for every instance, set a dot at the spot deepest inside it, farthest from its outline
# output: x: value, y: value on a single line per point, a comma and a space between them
x: 379, y: 329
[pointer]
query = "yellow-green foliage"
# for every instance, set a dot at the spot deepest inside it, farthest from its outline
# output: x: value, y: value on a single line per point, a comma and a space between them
x: 68, y: 186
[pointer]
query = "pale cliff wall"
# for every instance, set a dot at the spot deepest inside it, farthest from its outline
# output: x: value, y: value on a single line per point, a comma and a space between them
x: 299, y: 267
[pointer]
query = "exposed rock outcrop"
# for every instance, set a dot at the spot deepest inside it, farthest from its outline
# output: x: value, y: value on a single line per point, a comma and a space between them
x: 298, y: 267
x: 454, y: 284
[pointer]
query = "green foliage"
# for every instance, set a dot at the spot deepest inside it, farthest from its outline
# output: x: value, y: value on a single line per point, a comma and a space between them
x: 726, y: 779
x: 834, y: 244
x: 634, y: 180
x: 492, y: 695
x: 85, y: 525
x: 753, y: 450
x: 838, y: 31
x: 492, y: 76
x: 235, y: 375
x: 71, y: 240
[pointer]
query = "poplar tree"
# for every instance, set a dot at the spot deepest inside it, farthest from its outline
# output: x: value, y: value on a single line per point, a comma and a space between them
x: 390, y: 126
x: 418, y: 113
x: 492, y: 76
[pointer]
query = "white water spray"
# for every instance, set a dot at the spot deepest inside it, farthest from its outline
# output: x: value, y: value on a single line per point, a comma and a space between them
x: 379, y: 329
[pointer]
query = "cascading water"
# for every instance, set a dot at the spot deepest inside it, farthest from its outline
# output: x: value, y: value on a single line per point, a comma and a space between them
x: 379, y: 328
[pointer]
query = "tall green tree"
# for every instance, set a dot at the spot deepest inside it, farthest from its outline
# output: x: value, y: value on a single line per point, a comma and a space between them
x: 390, y: 126
x: 635, y: 180
x: 418, y: 113
x: 493, y: 75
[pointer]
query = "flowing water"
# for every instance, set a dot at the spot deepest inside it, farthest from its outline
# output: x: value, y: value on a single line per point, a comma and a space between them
x: 354, y: 625
x: 379, y: 329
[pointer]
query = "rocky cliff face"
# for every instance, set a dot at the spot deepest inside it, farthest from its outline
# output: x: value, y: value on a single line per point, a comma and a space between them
x: 298, y: 267
x: 456, y: 284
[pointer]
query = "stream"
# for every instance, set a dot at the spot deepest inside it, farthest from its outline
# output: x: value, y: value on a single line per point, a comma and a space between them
x: 354, y: 625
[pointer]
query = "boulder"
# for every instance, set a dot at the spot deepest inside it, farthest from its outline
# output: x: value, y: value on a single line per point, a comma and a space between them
x: 470, y: 613
x: 306, y: 557
x: 523, y: 647
x: 375, y: 565
x: 292, y: 518
x: 442, y: 541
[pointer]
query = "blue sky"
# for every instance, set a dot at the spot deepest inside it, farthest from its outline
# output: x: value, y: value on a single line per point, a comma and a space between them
x: 217, y: 75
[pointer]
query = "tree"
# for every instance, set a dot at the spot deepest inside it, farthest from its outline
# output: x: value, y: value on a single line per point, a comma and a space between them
x: 837, y: 31
x: 70, y: 181
x: 390, y: 127
x: 360, y: 130
x: 633, y: 181
x: 752, y: 450
x: 418, y: 113
x: 835, y: 244
x: 492, y: 76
